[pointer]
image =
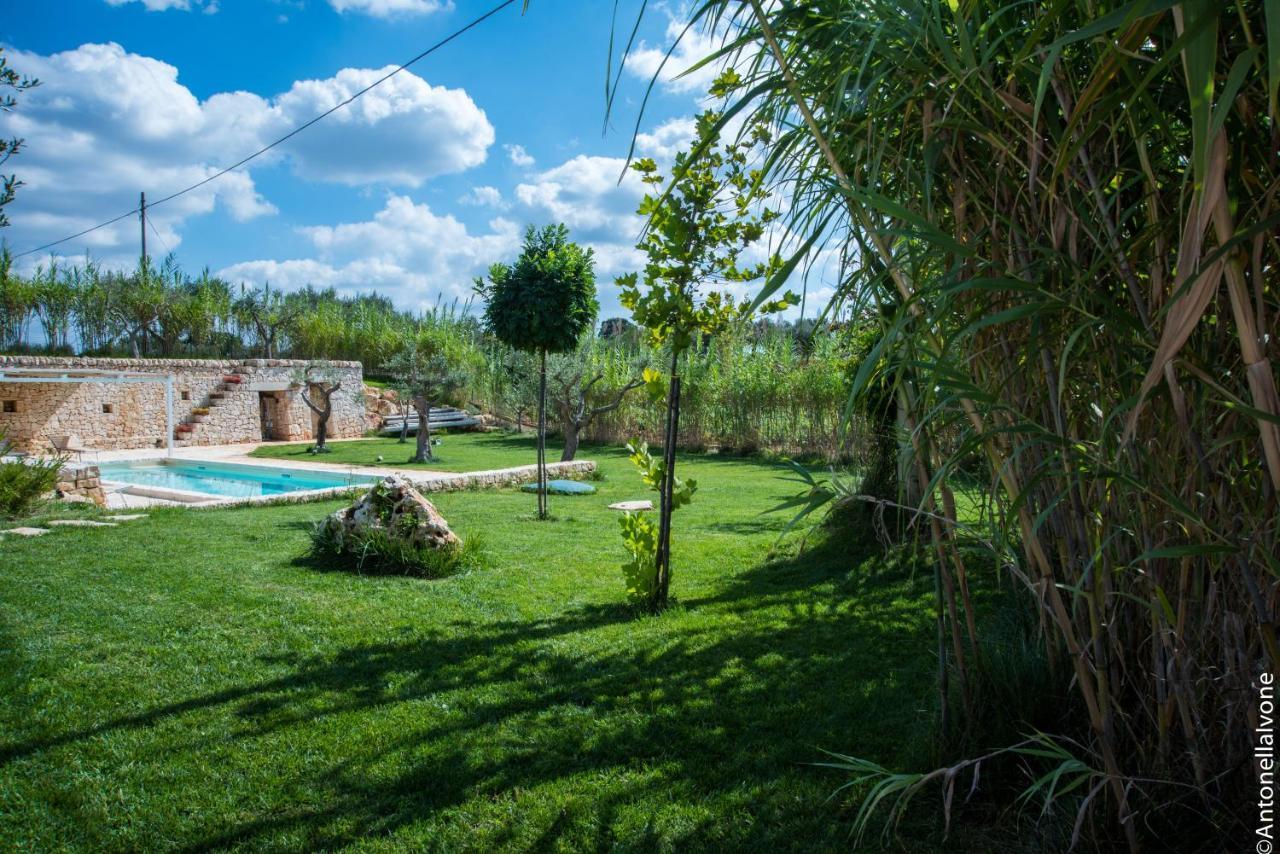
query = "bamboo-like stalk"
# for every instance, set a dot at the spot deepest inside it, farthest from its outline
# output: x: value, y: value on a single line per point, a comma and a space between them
x: 1085, y: 280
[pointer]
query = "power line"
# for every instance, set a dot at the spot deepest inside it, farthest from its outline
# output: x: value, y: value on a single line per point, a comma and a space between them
x: 299, y: 129
x: 163, y: 244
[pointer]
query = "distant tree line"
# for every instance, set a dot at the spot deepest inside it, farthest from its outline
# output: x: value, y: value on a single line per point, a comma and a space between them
x: 160, y: 310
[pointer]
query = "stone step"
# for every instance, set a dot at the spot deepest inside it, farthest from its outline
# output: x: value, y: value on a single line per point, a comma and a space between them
x: 26, y: 532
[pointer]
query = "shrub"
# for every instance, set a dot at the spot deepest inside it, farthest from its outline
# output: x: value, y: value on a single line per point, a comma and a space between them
x: 640, y: 536
x: 24, y: 484
x: 375, y: 552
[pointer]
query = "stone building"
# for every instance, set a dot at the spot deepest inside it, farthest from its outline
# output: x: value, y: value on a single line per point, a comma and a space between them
x: 214, y: 402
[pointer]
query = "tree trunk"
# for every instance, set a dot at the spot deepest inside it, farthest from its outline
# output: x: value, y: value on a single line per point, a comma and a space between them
x: 542, y: 438
x: 423, y: 453
x: 322, y: 429
x: 404, y: 424
x: 667, y: 488
x: 571, y: 429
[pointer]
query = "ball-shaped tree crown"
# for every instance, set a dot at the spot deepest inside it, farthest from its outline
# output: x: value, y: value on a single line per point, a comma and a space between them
x: 546, y: 300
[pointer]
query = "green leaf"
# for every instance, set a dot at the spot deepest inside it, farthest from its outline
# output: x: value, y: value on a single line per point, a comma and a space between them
x: 1199, y: 58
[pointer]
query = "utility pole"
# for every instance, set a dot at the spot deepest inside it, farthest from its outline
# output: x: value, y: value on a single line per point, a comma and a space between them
x: 142, y: 207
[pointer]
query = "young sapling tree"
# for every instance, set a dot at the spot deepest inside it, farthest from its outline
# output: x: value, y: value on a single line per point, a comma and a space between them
x: 712, y: 210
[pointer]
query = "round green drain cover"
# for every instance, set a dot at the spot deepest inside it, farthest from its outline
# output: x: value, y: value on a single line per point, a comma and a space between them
x: 562, y: 487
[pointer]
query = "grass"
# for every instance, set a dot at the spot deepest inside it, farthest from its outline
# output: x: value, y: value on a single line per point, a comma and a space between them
x: 456, y: 452
x: 192, y: 681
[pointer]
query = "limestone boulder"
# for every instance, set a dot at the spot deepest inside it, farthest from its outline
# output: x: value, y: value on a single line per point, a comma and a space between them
x: 394, y: 507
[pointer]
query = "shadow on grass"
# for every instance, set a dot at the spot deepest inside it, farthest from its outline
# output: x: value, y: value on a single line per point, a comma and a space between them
x: 651, y: 712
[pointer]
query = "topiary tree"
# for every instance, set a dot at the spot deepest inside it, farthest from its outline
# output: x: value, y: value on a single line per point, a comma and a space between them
x: 543, y: 303
x: 710, y: 213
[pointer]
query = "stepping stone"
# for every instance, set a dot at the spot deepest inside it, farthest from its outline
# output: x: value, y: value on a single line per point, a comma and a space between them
x: 127, y: 517
x: 26, y: 532
x: 562, y: 487
x: 81, y: 523
x: 632, y: 506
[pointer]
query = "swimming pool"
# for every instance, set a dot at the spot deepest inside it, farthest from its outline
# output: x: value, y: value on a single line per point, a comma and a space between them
x: 226, y: 480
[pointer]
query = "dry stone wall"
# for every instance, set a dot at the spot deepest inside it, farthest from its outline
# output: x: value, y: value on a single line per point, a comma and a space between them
x: 214, y: 402
x: 76, y: 481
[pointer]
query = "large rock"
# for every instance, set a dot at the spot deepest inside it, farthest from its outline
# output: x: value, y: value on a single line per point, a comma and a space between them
x: 394, y: 507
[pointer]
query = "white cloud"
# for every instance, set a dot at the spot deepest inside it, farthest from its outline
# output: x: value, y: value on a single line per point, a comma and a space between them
x: 106, y: 124
x: 406, y: 251
x: 484, y: 197
x: 103, y: 126
x: 585, y: 194
x: 402, y: 132
x: 390, y: 8
x: 668, y: 138
x: 646, y: 60
x: 164, y: 5
x: 519, y: 156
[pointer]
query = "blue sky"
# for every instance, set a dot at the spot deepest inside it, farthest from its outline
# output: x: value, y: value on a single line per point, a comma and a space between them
x: 411, y: 191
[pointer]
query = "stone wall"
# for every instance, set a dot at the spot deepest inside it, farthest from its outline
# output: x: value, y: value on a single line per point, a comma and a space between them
x: 83, y: 482
x: 214, y: 402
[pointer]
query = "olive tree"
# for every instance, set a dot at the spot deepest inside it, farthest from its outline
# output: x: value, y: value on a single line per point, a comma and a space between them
x: 585, y: 384
x: 267, y: 314
x: 430, y: 371
x: 710, y: 212
x: 319, y: 382
x: 543, y: 303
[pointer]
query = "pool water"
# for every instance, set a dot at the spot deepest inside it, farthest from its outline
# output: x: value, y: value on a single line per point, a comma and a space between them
x: 224, y: 479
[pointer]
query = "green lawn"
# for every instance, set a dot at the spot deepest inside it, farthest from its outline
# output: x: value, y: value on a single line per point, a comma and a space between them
x: 192, y: 681
x: 456, y: 452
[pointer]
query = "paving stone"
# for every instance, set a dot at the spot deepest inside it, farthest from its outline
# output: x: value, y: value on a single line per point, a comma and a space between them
x: 26, y: 532
x: 126, y: 517
x: 81, y: 523
x: 632, y: 505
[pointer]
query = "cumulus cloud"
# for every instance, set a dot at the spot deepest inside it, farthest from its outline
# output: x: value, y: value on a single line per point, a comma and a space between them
x: 402, y: 132
x: 389, y: 8
x: 519, y: 156
x: 585, y: 193
x: 413, y: 253
x: 484, y: 197
x: 668, y: 138
x: 106, y: 124
x: 646, y: 61
x: 103, y: 126
x: 407, y: 251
